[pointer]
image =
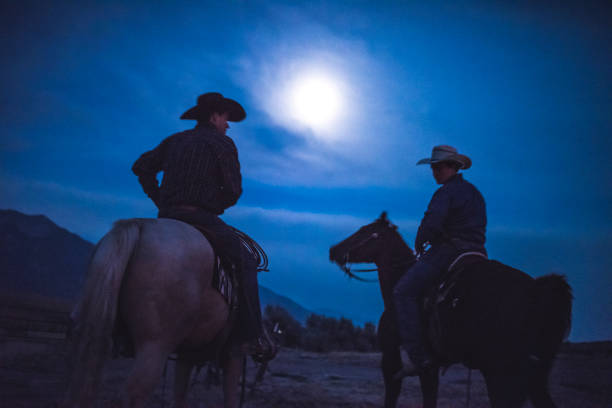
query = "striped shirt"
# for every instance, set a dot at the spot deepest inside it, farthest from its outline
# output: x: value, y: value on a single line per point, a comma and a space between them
x: 200, y: 168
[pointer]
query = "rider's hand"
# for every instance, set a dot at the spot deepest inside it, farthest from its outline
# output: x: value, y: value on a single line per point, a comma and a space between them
x: 421, y: 247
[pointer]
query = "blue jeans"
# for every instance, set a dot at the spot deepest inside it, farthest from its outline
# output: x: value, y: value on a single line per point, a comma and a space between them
x: 408, y: 294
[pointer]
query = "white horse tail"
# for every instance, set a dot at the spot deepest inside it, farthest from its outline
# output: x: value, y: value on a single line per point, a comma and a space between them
x: 94, y: 316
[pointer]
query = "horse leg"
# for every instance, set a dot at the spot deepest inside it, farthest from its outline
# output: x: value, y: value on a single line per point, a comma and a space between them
x: 146, y: 373
x: 182, y: 375
x: 538, y: 385
x: 429, y: 388
x: 507, y: 387
x: 391, y: 363
x: 232, y: 370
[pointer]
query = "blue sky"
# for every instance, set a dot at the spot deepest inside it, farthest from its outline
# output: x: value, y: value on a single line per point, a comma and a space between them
x: 526, y: 92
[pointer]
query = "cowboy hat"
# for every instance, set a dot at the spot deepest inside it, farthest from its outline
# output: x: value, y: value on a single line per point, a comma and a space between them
x: 215, y: 102
x: 444, y: 153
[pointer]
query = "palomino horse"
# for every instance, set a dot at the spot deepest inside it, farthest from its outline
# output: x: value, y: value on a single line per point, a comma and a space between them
x: 156, y: 276
x: 494, y: 318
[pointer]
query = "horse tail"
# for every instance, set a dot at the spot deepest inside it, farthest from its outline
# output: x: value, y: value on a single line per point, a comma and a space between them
x: 551, y: 315
x: 94, y: 316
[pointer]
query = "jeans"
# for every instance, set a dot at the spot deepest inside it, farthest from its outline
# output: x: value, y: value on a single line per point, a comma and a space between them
x: 408, y: 294
x: 228, y: 245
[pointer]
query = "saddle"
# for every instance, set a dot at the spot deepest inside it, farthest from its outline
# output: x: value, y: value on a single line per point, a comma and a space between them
x: 449, y: 278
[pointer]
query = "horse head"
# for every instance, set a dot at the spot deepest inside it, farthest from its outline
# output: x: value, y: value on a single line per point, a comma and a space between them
x: 363, y: 246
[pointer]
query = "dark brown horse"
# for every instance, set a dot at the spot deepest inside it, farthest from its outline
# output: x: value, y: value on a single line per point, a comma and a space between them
x: 494, y: 318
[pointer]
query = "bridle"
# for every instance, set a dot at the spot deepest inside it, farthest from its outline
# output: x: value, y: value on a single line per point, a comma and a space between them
x: 346, y: 266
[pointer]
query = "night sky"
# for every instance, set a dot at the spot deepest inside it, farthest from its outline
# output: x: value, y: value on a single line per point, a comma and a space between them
x: 526, y: 92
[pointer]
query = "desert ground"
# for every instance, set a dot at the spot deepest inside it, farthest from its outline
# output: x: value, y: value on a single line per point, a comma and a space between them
x: 32, y: 374
x: 33, y: 371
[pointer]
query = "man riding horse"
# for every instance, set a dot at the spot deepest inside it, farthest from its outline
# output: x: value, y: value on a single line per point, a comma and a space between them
x: 201, y: 179
x: 454, y: 223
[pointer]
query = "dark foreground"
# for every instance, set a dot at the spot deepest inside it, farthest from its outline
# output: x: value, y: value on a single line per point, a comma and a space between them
x: 32, y: 375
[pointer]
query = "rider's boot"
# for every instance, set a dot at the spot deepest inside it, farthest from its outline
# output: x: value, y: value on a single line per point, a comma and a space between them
x: 259, y: 344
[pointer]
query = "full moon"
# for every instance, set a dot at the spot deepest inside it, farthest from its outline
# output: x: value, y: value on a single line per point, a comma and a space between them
x: 316, y: 101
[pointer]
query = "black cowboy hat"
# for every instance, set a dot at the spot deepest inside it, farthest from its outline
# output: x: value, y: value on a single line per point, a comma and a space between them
x: 215, y: 102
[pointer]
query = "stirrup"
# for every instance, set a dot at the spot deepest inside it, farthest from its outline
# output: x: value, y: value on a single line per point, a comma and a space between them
x: 262, y: 350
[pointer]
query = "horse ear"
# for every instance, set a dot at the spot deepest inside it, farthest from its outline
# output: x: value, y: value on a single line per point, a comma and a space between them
x: 383, y: 216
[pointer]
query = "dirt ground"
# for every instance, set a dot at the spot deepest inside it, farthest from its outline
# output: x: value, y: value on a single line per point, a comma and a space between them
x: 32, y: 375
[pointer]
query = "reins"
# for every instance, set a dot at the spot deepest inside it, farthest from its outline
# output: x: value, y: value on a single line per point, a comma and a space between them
x: 351, y: 273
x: 346, y: 266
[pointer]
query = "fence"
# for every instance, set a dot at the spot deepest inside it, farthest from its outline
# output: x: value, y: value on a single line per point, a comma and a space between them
x: 33, y: 318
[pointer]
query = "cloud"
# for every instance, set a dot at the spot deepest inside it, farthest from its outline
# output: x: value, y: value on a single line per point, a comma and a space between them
x: 82, y: 195
x: 88, y: 213
x: 366, y: 145
x: 282, y: 218
x: 310, y: 226
x: 285, y: 216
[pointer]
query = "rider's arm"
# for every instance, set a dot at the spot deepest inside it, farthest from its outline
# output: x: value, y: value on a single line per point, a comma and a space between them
x: 432, y: 225
x: 146, y: 168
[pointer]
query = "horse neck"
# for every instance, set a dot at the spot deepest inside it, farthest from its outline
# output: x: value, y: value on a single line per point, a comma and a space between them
x: 394, y: 260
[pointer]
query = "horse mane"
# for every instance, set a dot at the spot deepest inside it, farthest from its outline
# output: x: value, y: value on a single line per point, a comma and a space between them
x: 403, y: 256
x: 399, y: 259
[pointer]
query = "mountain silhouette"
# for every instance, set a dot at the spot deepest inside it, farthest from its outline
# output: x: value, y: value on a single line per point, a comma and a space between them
x: 39, y: 257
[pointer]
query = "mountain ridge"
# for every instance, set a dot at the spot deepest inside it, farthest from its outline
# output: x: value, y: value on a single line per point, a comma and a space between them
x: 40, y: 257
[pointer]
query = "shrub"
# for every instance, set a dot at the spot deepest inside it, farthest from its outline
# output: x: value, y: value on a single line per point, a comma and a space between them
x: 321, y: 333
x: 290, y: 329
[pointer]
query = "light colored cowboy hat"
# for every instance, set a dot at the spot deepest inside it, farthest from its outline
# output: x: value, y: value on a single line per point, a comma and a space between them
x: 215, y: 102
x: 444, y: 153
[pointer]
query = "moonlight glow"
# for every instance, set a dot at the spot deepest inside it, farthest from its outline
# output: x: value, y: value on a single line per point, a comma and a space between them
x: 316, y: 101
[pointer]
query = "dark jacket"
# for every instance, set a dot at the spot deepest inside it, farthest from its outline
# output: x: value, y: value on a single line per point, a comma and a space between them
x: 456, y: 214
x: 201, y: 169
